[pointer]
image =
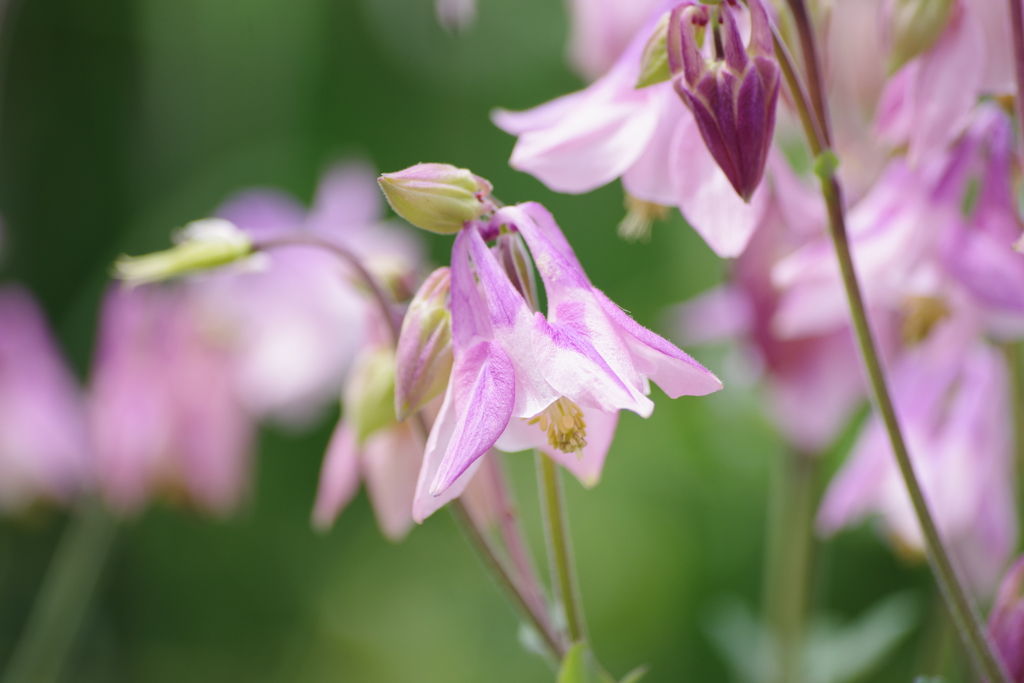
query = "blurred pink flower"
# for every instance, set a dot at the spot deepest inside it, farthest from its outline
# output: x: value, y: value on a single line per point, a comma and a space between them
x: 521, y: 379
x: 162, y: 407
x: 301, y: 320
x: 1006, y: 621
x: 812, y: 383
x: 43, y: 441
x: 646, y: 136
x: 952, y: 400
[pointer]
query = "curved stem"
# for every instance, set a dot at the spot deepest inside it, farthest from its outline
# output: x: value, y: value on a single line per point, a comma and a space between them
x: 1017, y: 29
x: 813, y: 67
x: 962, y: 609
x: 60, y: 607
x: 556, y: 527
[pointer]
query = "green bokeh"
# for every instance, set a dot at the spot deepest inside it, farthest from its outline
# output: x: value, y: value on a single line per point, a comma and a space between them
x: 123, y: 119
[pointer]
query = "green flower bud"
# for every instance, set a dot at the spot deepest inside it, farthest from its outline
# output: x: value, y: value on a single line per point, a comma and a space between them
x: 437, y: 197
x: 424, y: 359
x: 200, y: 245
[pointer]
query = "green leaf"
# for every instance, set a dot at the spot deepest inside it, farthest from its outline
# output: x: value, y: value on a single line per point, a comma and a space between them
x: 574, y: 666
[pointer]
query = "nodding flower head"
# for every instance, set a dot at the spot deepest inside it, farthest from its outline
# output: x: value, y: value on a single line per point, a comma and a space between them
x: 732, y: 94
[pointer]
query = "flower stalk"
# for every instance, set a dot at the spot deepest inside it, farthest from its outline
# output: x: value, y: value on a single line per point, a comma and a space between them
x: 963, y: 611
x: 556, y: 527
x: 1017, y: 29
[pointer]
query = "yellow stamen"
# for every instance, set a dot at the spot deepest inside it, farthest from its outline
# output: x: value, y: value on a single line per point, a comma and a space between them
x: 563, y: 422
x: 922, y: 314
x: 640, y: 216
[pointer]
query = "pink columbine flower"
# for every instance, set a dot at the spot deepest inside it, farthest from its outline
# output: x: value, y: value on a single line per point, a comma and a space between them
x: 301, y: 319
x: 44, y: 451
x: 952, y: 401
x: 1006, y: 621
x: 733, y: 96
x: 522, y: 379
x: 163, y: 412
x: 646, y: 137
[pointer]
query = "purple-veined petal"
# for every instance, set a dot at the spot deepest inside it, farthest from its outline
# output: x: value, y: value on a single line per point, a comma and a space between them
x: 470, y: 319
x: 339, y: 477
x: 483, y: 382
x: 668, y: 366
x: 441, y: 433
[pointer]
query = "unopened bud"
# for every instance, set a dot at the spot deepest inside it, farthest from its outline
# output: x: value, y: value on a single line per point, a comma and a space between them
x: 914, y: 27
x: 424, y: 357
x: 515, y: 260
x: 437, y: 197
x: 732, y: 96
x: 1006, y: 621
x: 201, y: 245
x: 370, y: 392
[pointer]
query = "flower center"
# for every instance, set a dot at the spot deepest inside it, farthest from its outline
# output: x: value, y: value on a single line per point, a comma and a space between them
x: 564, y: 425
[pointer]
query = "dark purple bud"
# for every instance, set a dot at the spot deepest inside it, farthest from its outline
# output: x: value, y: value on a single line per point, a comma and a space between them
x: 1006, y: 622
x: 732, y: 96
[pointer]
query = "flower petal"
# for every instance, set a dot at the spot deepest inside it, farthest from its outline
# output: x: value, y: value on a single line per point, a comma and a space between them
x: 391, y: 461
x: 339, y: 477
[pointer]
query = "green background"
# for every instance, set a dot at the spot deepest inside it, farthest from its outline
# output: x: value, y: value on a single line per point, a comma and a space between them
x: 122, y: 119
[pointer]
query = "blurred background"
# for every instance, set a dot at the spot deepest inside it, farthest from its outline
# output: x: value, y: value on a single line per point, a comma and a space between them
x: 123, y: 119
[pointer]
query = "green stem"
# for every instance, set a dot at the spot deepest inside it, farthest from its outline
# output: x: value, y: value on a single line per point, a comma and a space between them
x: 556, y: 527
x: 1011, y: 352
x: 507, y: 581
x: 789, y: 559
x: 63, y: 600
x: 961, y: 608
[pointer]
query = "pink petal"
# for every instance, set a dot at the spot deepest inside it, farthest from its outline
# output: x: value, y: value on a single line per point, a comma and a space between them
x: 263, y: 212
x: 392, y: 459
x: 717, y: 315
x: 483, y: 381
x: 424, y: 504
x: 707, y: 199
x: 339, y: 477
x: 650, y: 177
x: 348, y: 201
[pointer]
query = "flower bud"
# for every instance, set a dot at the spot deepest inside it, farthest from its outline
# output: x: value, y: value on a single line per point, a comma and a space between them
x: 732, y: 96
x: 1006, y: 621
x: 437, y: 197
x: 424, y: 358
x: 201, y: 245
x: 914, y: 26
x: 370, y: 392
x: 654, y: 62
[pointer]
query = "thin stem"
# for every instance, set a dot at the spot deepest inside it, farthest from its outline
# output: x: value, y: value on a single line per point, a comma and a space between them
x: 962, y: 609
x: 1011, y: 352
x: 556, y: 526
x: 789, y: 558
x: 812, y: 65
x: 63, y: 600
x: 815, y: 138
x: 1017, y: 29
x: 491, y: 558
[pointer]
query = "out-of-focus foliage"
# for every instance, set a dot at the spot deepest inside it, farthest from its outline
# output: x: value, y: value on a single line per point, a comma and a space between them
x: 123, y: 119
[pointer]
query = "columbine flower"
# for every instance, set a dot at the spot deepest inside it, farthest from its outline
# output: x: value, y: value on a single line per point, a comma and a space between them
x: 732, y: 97
x: 162, y: 407
x: 521, y: 379
x: 43, y: 443
x: 301, y: 320
x: 647, y: 137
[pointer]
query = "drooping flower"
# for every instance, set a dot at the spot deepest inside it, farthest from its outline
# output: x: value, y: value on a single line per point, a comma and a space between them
x: 301, y: 319
x: 44, y: 450
x: 733, y: 96
x: 521, y: 379
x: 646, y: 136
x: 163, y: 412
